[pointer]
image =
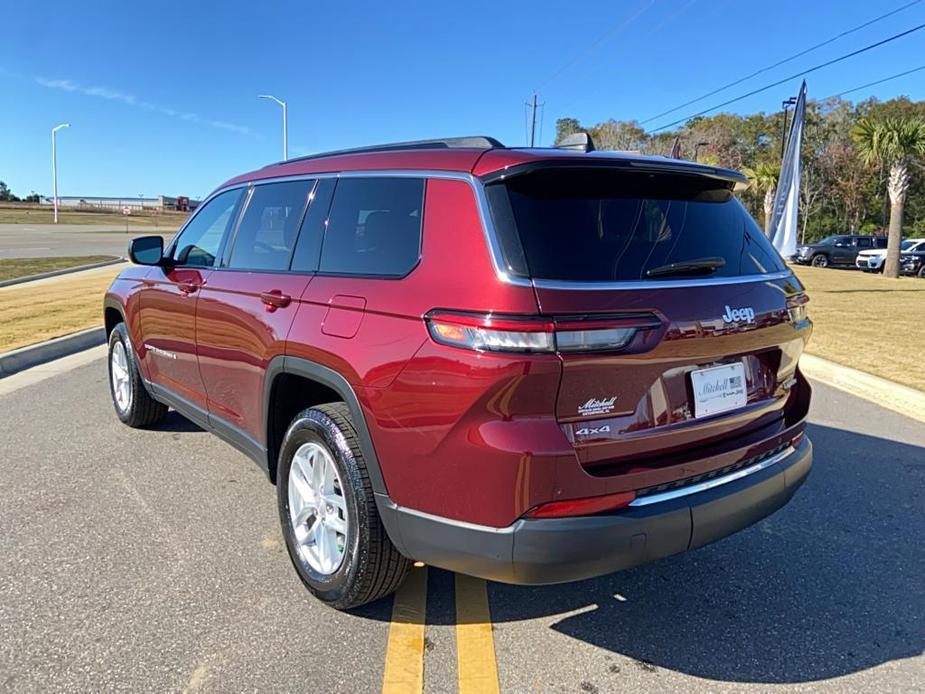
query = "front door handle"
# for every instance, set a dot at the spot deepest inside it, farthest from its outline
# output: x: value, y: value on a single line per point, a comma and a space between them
x: 188, y: 287
x: 275, y: 299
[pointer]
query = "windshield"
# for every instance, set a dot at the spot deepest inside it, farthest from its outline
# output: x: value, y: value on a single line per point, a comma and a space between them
x: 907, y: 244
x: 598, y: 226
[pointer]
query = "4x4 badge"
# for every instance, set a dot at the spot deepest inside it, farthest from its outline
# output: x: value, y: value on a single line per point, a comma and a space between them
x: 595, y: 406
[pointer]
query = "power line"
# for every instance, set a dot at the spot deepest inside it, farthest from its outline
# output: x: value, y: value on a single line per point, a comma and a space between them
x: 794, y: 76
x: 781, y: 62
x: 621, y: 24
x: 872, y: 84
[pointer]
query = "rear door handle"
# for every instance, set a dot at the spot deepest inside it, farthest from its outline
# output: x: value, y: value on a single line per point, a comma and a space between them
x: 275, y: 299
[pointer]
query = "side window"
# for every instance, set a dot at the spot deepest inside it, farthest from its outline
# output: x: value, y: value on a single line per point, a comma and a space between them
x: 881, y: 242
x: 199, y: 243
x: 374, y: 227
x: 269, y: 227
x: 305, y: 258
x: 863, y: 243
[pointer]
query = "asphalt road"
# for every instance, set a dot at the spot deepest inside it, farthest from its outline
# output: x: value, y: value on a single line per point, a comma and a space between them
x: 152, y: 561
x: 47, y: 240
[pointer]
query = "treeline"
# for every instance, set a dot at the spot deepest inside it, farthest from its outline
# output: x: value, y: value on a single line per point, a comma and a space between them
x: 6, y: 195
x: 839, y: 192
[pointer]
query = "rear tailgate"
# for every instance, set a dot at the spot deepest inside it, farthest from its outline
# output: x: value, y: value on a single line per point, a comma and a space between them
x: 639, y: 403
x: 675, y: 257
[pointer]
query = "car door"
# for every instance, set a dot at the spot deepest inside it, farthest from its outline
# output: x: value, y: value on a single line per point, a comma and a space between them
x: 843, y: 250
x: 352, y: 316
x: 247, y: 307
x: 170, y: 296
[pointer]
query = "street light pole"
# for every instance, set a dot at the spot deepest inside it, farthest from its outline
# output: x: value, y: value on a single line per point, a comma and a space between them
x: 783, y: 133
x: 285, y: 126
x: 54, y: 164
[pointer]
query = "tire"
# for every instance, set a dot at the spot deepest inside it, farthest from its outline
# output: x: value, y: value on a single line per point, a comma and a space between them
x: 353, y: 567
x: 820, y: 260
x: 133, y: 404
x: 921, y: 272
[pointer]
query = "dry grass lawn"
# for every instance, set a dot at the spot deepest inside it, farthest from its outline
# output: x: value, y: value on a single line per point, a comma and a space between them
x: 868, y: 322
x: 34, y: 312
x: 19, y: 213
x: 12, y: 268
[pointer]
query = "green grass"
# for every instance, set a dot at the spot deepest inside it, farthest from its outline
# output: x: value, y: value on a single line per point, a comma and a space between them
x: 23, y: 213
x: 14, y: 268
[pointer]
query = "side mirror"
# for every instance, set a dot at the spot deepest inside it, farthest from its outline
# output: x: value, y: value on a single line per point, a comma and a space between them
x: 146, y: 250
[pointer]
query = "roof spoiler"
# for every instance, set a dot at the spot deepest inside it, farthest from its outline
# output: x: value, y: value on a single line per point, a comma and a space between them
x: 578, y: 142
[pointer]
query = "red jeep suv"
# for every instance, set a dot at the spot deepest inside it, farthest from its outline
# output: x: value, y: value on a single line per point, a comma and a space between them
x: 528, y: 365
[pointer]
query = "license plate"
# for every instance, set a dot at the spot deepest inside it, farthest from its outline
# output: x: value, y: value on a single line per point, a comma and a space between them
x: 719, y: 389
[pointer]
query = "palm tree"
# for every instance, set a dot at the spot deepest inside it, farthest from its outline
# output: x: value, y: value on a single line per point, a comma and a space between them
x: 764, y: 177
x: 892, y: 143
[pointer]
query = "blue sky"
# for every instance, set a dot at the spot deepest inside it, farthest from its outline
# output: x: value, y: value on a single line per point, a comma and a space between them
x: 162, y: 97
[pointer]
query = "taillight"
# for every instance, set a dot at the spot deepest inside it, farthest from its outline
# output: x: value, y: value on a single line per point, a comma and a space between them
x: 796, y: 308
x: 539, y: 335
x: 582, y: 507
x: 492, y: 334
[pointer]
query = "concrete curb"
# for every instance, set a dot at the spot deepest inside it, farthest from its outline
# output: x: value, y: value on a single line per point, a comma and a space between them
x: 893, y: 396
x: 33, y: 355
x: 56, y: 273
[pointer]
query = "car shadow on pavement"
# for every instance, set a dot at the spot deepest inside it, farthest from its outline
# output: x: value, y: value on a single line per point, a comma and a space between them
x: 827, y: 586
x: 176, y: 423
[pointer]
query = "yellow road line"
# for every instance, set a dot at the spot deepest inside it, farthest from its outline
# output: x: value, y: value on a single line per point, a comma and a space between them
x: 404, y: 655
x: 475, y: 647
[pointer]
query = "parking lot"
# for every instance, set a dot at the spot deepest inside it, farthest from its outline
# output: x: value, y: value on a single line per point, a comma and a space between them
x: 49, y: 240
x: 152, y: 560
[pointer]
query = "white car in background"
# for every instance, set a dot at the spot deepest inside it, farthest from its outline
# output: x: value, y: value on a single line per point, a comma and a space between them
x: 872, y: 260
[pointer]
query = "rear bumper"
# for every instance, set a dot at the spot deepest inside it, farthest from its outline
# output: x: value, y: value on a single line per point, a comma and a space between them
x: 560, y: 550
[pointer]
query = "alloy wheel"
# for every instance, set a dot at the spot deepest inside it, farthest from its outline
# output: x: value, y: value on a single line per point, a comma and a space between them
x: 121, y: 377
x: 317, y: 508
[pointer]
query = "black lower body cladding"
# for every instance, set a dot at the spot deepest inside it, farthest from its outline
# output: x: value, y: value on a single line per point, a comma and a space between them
x: 545, y: 551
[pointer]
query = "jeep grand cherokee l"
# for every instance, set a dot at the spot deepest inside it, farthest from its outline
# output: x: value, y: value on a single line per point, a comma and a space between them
x: 528, y: 365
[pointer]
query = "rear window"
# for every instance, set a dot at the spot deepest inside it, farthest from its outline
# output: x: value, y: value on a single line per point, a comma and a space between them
x: 601, y: 226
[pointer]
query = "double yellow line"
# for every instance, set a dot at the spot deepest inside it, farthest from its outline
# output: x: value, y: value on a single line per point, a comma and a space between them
x: 477, y: 668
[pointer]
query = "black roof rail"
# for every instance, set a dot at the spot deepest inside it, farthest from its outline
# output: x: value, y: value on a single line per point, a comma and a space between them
x: 471, y: 141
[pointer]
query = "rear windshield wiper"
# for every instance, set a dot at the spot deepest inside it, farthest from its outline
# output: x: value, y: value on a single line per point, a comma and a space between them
x: 698, y: 266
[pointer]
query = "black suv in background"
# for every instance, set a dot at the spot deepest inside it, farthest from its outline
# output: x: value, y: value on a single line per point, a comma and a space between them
x: 913, y: 263
x: 837, y: 250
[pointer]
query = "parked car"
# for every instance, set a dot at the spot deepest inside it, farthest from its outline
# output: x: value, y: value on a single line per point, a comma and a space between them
x: 872, y: 260
x: 840, y: 249
x: 913, y: 263
x: 528, y: 365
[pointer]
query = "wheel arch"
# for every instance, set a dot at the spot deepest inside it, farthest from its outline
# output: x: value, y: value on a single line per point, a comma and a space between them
x: 113, y: 314
x: 328, y: 382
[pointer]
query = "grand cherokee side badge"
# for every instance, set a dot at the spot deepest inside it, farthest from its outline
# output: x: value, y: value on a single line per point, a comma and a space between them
x: 595, y: 406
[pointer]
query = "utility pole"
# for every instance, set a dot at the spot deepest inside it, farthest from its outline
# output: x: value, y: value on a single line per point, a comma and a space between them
x: 533, y: 122
x: 785, y: 104
x: 54, y: 163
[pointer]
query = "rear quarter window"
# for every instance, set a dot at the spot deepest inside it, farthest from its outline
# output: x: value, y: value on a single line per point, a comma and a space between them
x: 601, y: 226
x: 374, y: 227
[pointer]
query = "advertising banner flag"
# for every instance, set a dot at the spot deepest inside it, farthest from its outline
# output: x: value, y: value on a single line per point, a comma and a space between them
x: 783, y: 229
